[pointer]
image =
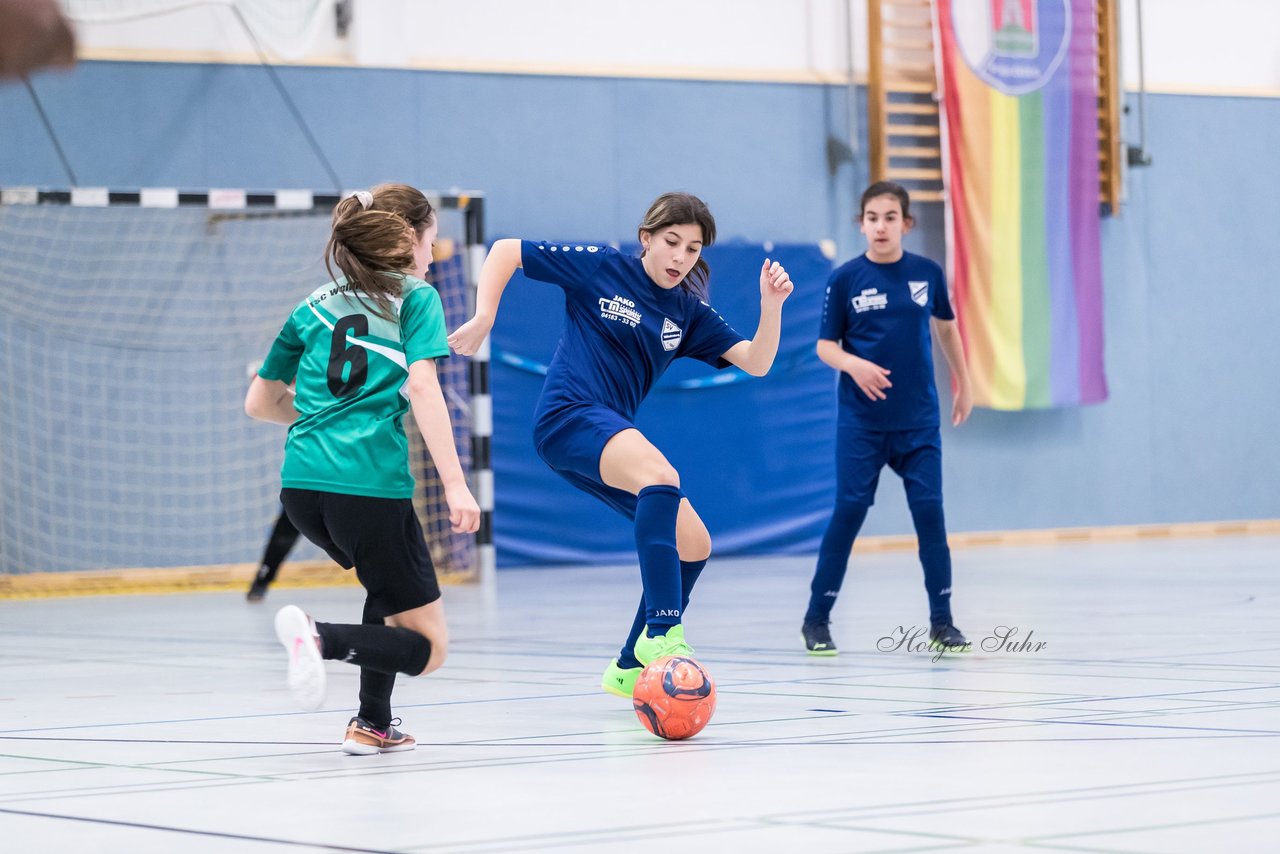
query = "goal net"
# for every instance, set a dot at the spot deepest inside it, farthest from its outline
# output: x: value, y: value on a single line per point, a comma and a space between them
x: 131, y: 325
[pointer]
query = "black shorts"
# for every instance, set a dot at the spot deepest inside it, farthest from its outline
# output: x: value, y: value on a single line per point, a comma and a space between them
x: 380, y: 537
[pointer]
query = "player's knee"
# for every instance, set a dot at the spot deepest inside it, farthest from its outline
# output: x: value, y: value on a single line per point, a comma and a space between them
x: 428, y: 646
x: 660, y: 474
x: 694, y: 543
x: 416, y: 651
x: 439, y: 651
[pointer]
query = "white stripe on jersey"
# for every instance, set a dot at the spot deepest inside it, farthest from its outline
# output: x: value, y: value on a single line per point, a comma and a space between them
x: 396, y: 356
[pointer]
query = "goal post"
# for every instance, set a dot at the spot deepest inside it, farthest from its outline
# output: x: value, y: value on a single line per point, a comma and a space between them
x: 130, y: 323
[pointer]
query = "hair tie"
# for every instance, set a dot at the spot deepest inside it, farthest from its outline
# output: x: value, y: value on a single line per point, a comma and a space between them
x: 365, y: 198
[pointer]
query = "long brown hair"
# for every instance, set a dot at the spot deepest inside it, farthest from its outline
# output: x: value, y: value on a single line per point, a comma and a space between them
x: 684, y: 209
x: 372, y: 245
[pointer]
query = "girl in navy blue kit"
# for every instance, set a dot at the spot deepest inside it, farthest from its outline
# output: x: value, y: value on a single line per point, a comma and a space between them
x: 627, y: 320
x: 876, y: 322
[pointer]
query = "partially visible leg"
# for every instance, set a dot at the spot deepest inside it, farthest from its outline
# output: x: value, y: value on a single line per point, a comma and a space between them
x: 383, y: 539
x: 428, y: 622
x: 631, y: 463
x: 833, y: 559
x: 693, y: 543
x: 919, y: 462
x: 860, y: 454
x: 283, y: 537
x: 375, y: 686
x: 935, y: 557
x: 373, y: 730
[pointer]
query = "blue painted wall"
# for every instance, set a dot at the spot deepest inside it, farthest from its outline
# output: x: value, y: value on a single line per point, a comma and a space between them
x: 1190, y: 305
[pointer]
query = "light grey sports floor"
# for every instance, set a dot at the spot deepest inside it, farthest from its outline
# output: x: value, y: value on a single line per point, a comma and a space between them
x: 1147, y: 721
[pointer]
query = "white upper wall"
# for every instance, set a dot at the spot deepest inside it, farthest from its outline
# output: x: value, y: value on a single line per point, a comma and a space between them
x: 1235, y: 49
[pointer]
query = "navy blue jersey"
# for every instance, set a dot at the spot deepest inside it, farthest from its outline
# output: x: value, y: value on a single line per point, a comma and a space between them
x: 621, y: 329
x: 880, y: 312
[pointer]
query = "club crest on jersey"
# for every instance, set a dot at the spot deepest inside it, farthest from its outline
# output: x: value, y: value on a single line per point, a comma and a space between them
x: 869, y: 300
x: 671, y: 334
x: 919, y: 292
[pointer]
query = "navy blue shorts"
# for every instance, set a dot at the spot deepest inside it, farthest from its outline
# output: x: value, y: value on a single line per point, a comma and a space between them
x: 380, y: 537
x: 914, y: 455
x: 571, y: 441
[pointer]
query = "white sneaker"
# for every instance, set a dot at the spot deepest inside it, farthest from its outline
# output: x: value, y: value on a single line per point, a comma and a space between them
x: 297, y: 632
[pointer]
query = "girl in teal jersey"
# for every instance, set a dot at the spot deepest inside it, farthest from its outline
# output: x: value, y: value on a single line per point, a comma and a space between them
x: 361, y: 350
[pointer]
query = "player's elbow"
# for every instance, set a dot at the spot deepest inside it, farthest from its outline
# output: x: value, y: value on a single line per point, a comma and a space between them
x: 253, y: 406
x: 423, y: 388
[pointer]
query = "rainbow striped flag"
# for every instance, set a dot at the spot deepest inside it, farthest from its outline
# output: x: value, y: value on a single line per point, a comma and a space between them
x: 1020, y: 130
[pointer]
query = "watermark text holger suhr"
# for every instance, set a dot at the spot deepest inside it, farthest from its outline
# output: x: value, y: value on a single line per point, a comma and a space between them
x: 1001, y: 639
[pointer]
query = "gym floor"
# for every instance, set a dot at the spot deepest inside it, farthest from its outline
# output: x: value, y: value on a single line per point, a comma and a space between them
x: 1135, y: 709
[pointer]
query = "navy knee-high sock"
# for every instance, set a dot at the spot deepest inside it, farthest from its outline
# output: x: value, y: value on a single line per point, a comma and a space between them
x: 656, y: 510
x: 935, y: 557
x: 689, y: 572
x: 833, y: 559
x: 375, y: 686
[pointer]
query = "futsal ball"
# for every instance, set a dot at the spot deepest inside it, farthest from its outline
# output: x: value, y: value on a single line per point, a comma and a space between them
x: 674, y: 697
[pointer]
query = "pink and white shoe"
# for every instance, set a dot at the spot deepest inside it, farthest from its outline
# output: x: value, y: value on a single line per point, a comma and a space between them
x: 297, y: 632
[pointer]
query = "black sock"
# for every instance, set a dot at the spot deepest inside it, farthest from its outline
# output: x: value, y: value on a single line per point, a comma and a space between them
x: 375, y: 687
x: 385, y: 649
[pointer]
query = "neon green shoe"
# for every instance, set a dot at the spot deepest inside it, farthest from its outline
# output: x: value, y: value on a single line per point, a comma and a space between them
x: 620, y: 680
x: 651, y: 649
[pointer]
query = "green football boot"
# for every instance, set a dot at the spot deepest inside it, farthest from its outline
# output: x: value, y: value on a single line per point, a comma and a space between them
x: 620, y: 680
x: 651, y: 649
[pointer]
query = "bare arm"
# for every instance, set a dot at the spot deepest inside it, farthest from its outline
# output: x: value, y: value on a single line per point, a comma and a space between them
x: 756, y: 356
x: 947, y: 334
x: 432, y: 416
x: 500, y: 265
x: 270, y: 400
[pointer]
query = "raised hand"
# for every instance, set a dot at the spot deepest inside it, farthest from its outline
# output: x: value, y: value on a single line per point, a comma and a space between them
x: 775, y: 283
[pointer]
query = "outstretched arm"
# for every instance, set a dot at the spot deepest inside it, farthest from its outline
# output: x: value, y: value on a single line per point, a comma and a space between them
x: 270, y: 400
x: 432, y: 416
x: 947, y: 334
x: 500, y: 265
x: 756, y: 356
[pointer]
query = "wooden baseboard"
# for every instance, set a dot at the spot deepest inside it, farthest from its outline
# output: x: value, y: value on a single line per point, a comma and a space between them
x: 236, y: 577
x: 176, y: 579
x: 1099, y: 534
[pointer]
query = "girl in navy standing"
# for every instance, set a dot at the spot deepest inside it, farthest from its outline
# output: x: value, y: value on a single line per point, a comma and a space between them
x: 627, y: 320
x: 876, y: 322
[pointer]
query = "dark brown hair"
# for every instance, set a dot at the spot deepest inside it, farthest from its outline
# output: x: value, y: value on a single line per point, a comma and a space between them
x: 886, y: 188
x: 684, y: 209
x: 372, y: 246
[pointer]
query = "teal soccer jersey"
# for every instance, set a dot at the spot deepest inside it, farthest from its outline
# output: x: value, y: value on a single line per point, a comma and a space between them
x: 351, y: 366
